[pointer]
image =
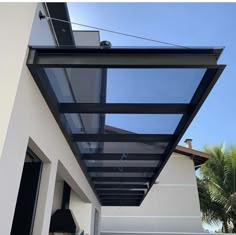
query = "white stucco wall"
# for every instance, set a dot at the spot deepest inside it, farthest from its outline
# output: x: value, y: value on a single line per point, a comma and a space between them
x: 41, y: 33
x: 27, y: 121
x: 58, y: 192
x: 82, y: 212
x: 15, y: 24
x: 172, y: 205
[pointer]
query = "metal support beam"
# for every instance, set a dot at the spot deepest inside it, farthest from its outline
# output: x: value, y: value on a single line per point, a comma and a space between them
x: 118, y: 169
x: 123, y: 197
x: 124, y: 203
x: 117, y: 156
x: 117, y: 108
x: 121, y: 138
x: 121, y: 179
x: 119, y: 192
x: 120, y: 200
x: 121, y: 186
x: 122, y: 57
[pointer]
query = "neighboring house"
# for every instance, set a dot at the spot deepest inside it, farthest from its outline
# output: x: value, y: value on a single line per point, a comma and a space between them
x: 172, y: 204
x: 56, y: 150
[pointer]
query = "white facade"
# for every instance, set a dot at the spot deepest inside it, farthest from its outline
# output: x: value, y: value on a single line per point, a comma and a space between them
x: 172, y: 205
x: 26, y: 121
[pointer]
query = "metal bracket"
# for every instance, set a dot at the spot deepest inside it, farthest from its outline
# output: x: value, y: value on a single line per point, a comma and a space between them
x: 41, y: 15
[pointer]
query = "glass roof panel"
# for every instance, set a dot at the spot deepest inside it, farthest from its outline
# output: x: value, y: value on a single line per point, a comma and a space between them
x: 75, y: 84
x: 145, y: 123
x: 159, y: 85
x: 136, y: 123
x: 172, y: 85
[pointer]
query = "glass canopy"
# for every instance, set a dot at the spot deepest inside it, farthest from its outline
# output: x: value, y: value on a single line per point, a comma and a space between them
x: 123, y: 110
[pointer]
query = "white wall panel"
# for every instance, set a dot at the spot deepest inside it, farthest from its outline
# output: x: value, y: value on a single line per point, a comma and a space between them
x: 26, y: 119
x: 172, y: 204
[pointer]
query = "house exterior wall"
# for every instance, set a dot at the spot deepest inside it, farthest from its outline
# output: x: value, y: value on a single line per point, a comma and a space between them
x: 77, y: 205
x: 9, y: 50
x: 172, y: 204
x: 26, y: 121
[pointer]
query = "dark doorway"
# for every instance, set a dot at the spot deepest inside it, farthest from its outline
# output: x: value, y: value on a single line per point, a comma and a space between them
x: 27, y: 196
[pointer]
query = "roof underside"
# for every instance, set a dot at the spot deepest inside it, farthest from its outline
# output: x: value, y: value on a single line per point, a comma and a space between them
x: 154, y: 93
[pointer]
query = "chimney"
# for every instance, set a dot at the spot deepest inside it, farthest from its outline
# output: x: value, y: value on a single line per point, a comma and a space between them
x: 188, y: 143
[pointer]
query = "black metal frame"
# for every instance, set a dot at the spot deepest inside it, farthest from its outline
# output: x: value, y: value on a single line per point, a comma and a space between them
x: 59, y: 10
x: 124, y: 108
x: 121, y: 186
x: 116, y: 156
x: 121, y: 138
x: 121, y: 169
x: 122, y: 179
x: 124, y: 191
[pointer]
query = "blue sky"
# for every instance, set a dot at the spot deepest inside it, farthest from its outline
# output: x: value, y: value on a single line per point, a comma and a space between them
x: 187, y: 24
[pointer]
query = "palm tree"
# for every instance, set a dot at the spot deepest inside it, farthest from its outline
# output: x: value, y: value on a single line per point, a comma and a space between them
x: 217, y: 187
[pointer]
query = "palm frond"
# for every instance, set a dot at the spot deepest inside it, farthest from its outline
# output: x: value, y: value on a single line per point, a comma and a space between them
x: 217, y: 182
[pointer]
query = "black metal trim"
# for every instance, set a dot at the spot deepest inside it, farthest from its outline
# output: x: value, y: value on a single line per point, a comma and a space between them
x: 121, y: 138
x: 120, y: 203
x: 117, y: 156
x: 120, y: 192
x: 110, y: 197
x: 116, y: 108
x: 63, y: 30
x: 120, y: 186
x: 119, y: 200
x: 134, y: 50
x: 121, y: 169
x: 123, y: 58
x: 122, y: 179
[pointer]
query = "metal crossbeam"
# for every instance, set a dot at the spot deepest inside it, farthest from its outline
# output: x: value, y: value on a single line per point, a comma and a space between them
x: 117, y: 108
x: 121, y: 138
x: 122, y: 57
x: 117, y: 156
x: 120, y: 203
x: 115, y: 197
x: 121, y: 186
x: 120, y: 200
x: 121, y: 179
x: 120, y: 192
x: 121, y: 169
